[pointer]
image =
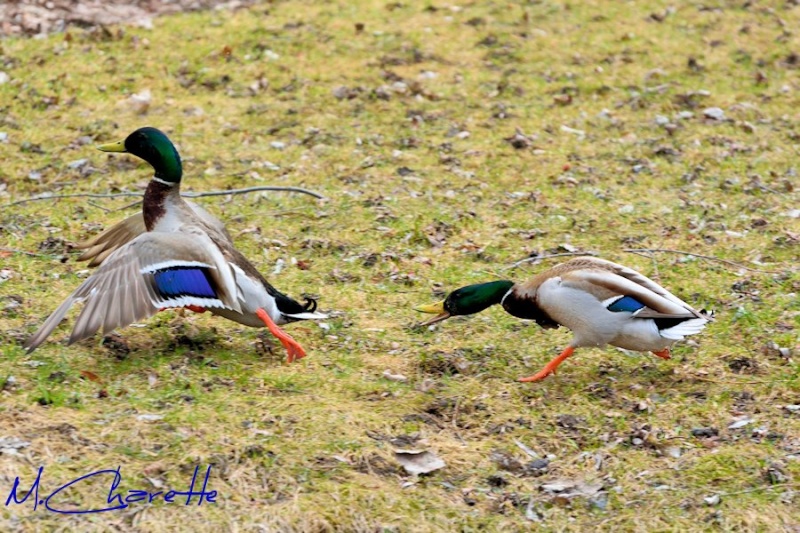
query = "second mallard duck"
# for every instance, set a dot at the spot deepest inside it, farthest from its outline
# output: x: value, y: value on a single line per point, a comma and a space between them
x: 600, y: 301
x: 172, y: 254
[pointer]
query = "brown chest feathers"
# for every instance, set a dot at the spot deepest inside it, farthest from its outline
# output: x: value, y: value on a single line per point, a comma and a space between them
x: 524, y: 305
x: 153, y: 206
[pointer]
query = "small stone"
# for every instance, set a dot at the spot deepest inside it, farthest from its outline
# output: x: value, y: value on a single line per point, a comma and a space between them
x: 343, y: 93
x: 674, y: 451
x: 714, y: 113
x: 538, y: 465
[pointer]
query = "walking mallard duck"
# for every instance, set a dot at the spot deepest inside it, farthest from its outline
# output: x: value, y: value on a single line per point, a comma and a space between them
x: 172, y: 254
x: 600, y: 301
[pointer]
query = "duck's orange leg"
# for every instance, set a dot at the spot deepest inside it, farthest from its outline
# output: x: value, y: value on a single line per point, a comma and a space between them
x: 663, y: 354
x: 293, y: 349
x: 550, y: 368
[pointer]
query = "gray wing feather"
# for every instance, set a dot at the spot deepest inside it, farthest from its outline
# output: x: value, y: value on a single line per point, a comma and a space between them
x: 104, y: 244
x: 119, y: 293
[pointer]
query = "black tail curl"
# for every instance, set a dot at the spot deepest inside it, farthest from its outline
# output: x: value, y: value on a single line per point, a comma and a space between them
x: 311, y: 304
x: 290, y: 306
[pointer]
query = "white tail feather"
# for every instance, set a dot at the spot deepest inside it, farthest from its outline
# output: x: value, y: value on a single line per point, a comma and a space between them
x: 306, y: 316
x: 687, y: 327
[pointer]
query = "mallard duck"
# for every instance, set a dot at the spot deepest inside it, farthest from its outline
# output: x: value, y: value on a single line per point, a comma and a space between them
x: 173, y: 254
x: 600, y: 301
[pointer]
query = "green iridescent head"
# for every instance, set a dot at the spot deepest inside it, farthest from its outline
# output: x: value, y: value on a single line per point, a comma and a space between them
x: 467, y: 300
x: 153, y: 146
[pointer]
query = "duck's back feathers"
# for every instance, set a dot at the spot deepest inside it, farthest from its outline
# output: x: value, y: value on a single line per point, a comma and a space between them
x: 606, y: 285
x: 609, y: 282
x: 604, y: 302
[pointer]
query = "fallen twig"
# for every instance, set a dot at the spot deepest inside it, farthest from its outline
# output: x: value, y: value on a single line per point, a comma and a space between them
x: 186, y: 194
x: 254, y: 189
x: 759, y: 489
x: 23, y: 252
x: 699, y: 256
x: 740, y: 382
x: 538, y: 258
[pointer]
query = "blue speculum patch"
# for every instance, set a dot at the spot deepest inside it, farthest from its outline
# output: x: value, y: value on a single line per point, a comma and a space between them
x: 184, y: 282
x: 626, y: 303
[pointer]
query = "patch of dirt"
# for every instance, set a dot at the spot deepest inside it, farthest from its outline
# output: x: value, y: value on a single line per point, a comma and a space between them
x: 34, y: 17
x: 117, y: 346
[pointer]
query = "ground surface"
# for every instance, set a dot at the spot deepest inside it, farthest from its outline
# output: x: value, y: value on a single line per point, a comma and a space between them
x: 449, y: 142
x: 40, y: 17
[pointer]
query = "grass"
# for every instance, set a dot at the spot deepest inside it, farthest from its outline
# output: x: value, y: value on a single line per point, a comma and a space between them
x: 438, y: 89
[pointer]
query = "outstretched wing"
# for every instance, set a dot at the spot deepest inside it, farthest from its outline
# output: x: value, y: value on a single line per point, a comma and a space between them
x: 104, y: 244
x: 151, y: 272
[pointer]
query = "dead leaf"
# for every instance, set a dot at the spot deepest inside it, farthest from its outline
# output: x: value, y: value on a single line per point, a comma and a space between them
x: 394, y: 377
x: 572, y: 488
x: 139, y: 103
x: 531, y: 513
x: 149, y: 417
x: 91, y: 376
x: 741, y: 422
x: 156, y: 468
x: 520, y: 140
x: 417, y: 462
x: 532, y: 454
x: 10, y: 445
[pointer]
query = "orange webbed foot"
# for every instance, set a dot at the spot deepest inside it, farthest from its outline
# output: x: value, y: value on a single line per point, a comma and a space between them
x: 550, y: 368
x: 293, y: 349
x: 540, y: 375
x: 663, y: 354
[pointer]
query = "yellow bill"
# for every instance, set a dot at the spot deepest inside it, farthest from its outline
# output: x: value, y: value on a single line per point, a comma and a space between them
x: 437, y: 309
x: 118, y: 146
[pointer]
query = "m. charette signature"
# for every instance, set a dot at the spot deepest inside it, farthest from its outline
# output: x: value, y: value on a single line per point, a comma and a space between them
x: 115, y: 500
